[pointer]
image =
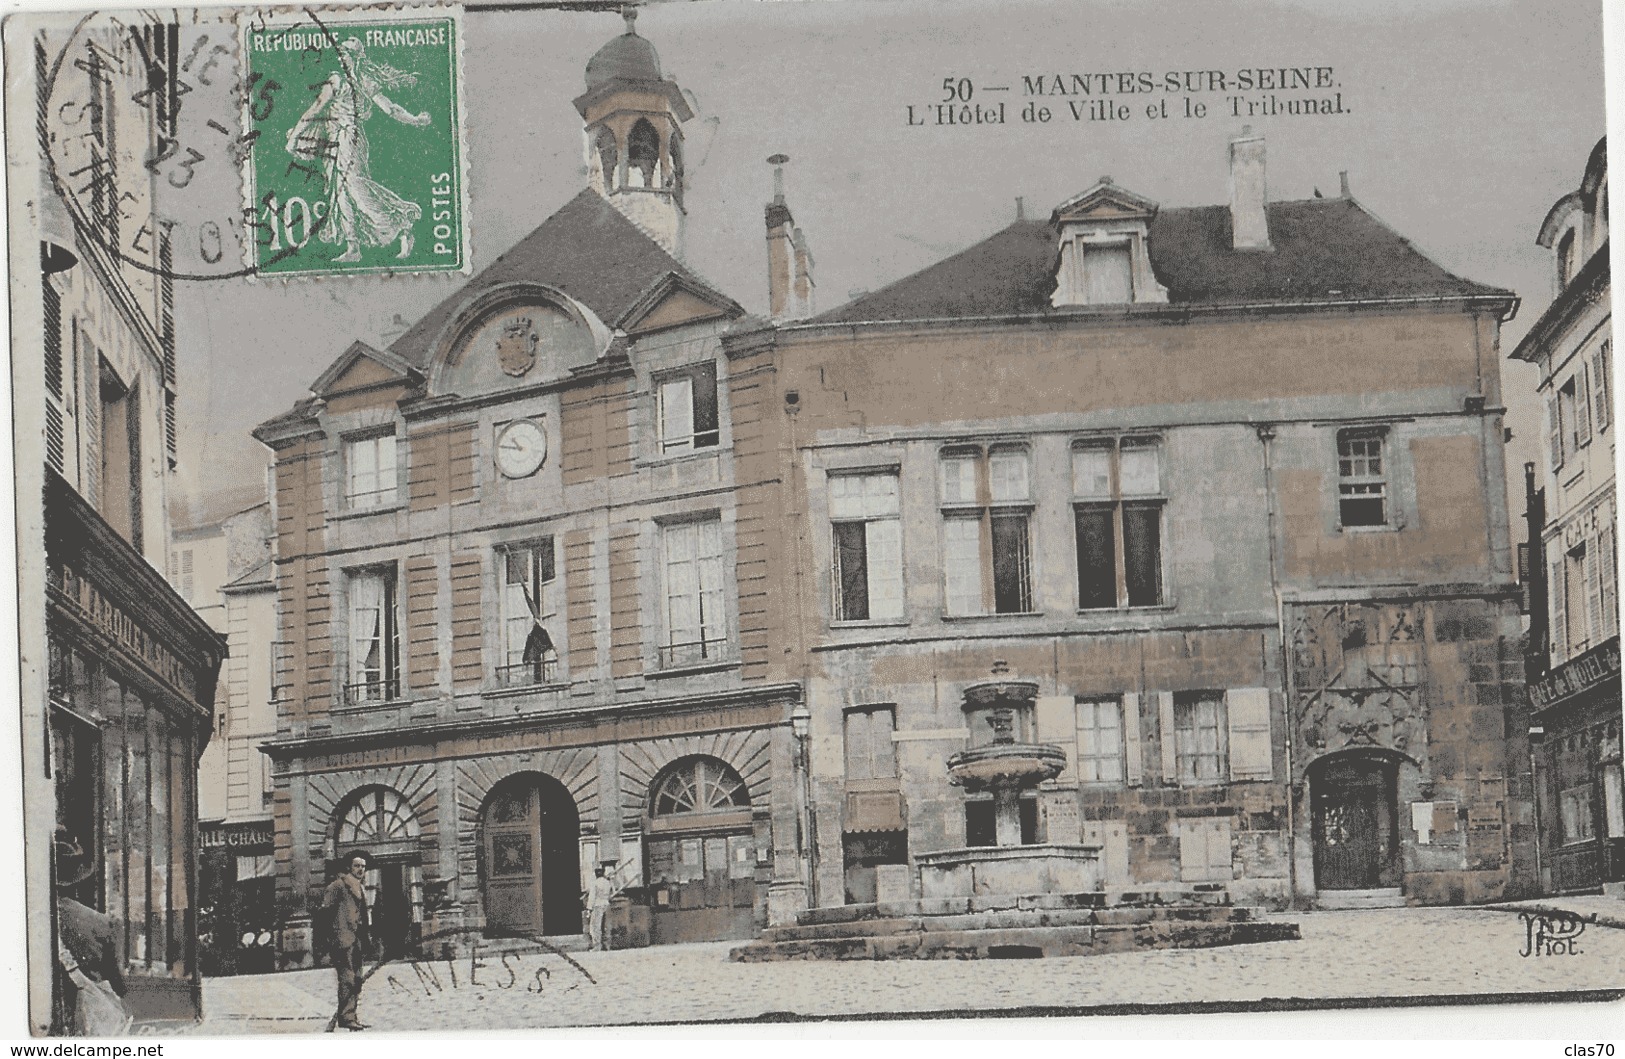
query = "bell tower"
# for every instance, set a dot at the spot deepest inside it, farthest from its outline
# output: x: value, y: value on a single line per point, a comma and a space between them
x: 634, y: 142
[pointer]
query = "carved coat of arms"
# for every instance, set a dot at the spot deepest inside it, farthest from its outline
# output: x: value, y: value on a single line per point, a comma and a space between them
x: 516, y: 346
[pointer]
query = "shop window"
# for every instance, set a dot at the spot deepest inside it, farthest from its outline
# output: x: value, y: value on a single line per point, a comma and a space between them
x: 1100, y: 741
x: 688, y: 408
x: 987, y: 549
x: 371, y: 474
x: 1201, y: 737
x: 868, y: 547
x: 1362, y: 482
x: 1574, y: 806
x: 374, y: 637
x: 1117, y: 486
x: 696, y: 630
x: 530, y: 614
x: 870, y: 753
x: 1613, y: 798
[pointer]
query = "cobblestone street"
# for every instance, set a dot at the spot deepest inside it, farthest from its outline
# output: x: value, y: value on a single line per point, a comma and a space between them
x: 1387, y: 953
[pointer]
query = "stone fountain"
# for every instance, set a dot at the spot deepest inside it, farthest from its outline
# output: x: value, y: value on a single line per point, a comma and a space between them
x: 1007, y: 769
x: 1010, y: 900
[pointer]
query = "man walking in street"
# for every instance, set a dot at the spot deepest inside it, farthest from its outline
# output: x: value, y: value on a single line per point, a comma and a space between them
x: 344, y: 904
x: 598, y: 897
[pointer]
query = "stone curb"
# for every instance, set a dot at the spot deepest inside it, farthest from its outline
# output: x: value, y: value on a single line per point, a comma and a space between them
x: 1601, y: 919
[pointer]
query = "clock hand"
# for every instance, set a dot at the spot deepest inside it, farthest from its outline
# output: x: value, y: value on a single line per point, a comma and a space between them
x: 513, y: 446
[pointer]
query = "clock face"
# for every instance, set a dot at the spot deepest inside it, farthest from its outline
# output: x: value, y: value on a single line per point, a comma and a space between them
x: 521, y: 448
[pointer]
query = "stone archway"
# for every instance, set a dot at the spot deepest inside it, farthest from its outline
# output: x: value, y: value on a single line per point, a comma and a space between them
x: 1354, y: 809
x: 531, y: 857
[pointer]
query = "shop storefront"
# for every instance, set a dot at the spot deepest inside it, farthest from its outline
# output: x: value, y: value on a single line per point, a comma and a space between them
x: 237, y: 912
x: 1579, y: 789
x: 132, y: 675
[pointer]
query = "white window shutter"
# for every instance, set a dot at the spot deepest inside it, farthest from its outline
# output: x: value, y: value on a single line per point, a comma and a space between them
x: 1249, y: 711
x: 1133, y: 772
x: 1582, y: 405
x: 1555, y: 588
x: 1554, y: 418
x: 1056, y: 717
x: 1167, y: 737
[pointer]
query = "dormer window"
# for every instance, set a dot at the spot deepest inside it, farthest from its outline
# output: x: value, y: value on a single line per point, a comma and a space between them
x: 1105, y: 256
x: 1565, y: 259
x: 1108, y: 272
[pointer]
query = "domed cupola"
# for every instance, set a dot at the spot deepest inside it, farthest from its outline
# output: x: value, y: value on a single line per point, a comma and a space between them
x: 633, y: 141
x: 626, y: 58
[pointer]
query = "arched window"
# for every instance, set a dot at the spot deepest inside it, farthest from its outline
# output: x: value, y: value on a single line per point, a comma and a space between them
x: 676, y: 149
x: 700, y: 785
x: 608, y: 158
x: 643, y: 155
x: 372, y: 818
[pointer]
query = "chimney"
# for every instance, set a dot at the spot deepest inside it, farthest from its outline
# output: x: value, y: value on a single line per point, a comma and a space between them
x: 1343, y: 179
x: 1248, y: 224
x: 789, y: 262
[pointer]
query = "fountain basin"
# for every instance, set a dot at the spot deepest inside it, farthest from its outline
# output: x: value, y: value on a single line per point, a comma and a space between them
x: 976, y: 871
x: 1014, y: 765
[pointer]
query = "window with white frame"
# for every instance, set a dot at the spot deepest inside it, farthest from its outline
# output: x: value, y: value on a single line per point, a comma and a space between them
x: 1362, y: 479
x: 375, y: 642
x: 696, y: 623
x: 1108, y: 272
x: 1201, y: 737
x: 687, y: 410
x: 987, y: 548
x: 371, y: 477
x: 1574, y: 807
x: 530, y: 614
x: 1117, y: 488
x: 1100, y: 741
x: 867, y: 555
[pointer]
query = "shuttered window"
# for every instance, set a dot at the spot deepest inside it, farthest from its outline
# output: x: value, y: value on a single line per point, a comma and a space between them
x: 1204, y: 850
x: 870, y: 753
x: 1249, y: 719
x: 1100, y: 741
x: 1602, y: 385
x: 1201, y: 737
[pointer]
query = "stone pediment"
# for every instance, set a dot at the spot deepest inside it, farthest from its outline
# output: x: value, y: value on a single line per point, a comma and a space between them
x: 1105, y: 202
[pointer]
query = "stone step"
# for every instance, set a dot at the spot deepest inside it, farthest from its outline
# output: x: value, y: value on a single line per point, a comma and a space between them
x: 1013, y: 919
x: 1344, y: 900
x: 947, y: 906
x: 1019, y: 943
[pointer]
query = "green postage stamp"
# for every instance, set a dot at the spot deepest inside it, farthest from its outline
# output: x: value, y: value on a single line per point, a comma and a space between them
x: 357, y: 159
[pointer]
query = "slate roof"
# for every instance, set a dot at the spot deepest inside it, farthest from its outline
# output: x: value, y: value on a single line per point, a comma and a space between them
x: 587, y: 249
x: 1324, y: 250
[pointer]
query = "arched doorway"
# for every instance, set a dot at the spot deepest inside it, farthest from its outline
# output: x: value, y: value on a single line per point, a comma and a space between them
x: 1354, y: 797
x: 530, y: 838
x: 701, y: 852
x: 379, y: 822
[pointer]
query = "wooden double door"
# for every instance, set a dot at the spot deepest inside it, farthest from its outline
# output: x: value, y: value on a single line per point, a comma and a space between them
x: 1355, y: 827
x: 532, y: 859
x: 702, y: 887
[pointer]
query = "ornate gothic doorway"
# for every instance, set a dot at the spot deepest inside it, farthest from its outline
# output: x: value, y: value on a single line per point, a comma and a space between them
x: 1355, y: 822
x: 530, y: 832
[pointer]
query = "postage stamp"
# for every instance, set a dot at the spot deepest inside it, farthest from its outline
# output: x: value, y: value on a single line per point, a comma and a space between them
x: 357, y: 164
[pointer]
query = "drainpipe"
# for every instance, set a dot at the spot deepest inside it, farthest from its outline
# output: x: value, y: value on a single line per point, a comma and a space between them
x: 1266, y: 435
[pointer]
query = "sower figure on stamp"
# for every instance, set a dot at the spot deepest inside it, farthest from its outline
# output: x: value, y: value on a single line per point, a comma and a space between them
x: 598, y: 898
x: 359, y: 209
x: 344, y: 904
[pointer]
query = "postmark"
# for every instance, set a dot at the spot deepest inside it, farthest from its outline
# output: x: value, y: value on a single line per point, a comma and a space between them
x: 165, y: 206
x: 357, y: 164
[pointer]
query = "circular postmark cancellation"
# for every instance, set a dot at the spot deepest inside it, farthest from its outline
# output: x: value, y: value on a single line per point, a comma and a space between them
x: 290, y: 143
